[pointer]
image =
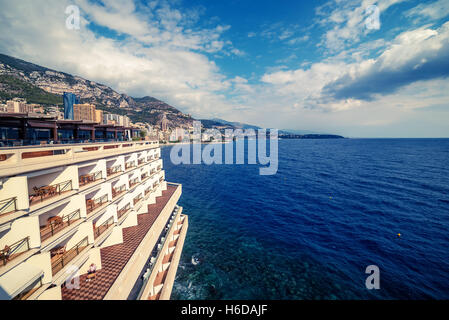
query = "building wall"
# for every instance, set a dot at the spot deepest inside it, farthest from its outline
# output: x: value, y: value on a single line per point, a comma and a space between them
x: 84, y: 112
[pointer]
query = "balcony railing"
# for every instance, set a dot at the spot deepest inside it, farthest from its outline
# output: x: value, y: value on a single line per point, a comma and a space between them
x: 144, y: 176
x: 147, y: 191
x: 140, y: 161
x: 57, y: 224
x: 103, y: 227
x: 118, y: 191
x: 61, y: 257
x: 130, y: 165
x: 161, y: 179
x: 133, y: 182
x: 9, y: 252
x: 155, y: 185
x: 8, y: 205
x: 153, y: 171
x: 149, y: 158
x: 114, y: 170
x: 47, y: 192
x: 123, y: 210
x: 89, y: 178
x: 92, y: 204
x: 137, y: 199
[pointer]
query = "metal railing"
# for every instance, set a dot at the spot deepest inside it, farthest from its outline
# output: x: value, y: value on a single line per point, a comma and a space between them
x: 63, y: 259
x: 137, y: 199
x: 59, y: 225
x: 46, y: 192
x: 10, y: 251
x: 114, y: 170
x: 133, y: 182
x: 130, y: 164
x: 8, y: 205
x: 117, y: 191
x: 103, y: 227
x: 89, y: 178
x: 92, y: 204
x: 123, y: 210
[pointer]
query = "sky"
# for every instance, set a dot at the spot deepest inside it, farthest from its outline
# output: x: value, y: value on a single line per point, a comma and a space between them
x: 321, y: 66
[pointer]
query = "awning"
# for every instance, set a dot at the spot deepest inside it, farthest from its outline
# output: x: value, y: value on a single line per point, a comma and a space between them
x: 18, y: 279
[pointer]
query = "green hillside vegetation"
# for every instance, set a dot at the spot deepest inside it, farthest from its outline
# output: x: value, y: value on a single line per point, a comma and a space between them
x: 12, y: 87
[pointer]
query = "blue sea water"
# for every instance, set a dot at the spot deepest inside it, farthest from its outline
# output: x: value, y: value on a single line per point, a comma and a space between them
x: 310, y: 231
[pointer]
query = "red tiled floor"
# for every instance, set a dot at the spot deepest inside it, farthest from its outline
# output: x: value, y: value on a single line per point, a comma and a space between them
x: 114, y: 258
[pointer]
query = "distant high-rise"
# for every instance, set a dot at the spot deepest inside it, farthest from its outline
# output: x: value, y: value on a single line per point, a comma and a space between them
x: 164, y: 123
x: 69, y: 100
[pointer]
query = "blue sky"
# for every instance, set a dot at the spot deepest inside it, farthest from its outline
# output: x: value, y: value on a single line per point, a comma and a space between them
x: 306, y: 65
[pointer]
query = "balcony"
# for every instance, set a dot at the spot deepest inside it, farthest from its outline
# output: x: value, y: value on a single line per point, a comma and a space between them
x: 57, y: 224
x: 149, y: 158
x: 137, y: 199
x: 155, y: 185
x: 46, y: 192
x: 60, y: 257
x: 147, y: 191
x: 8, y: 205
x: 122, y: 211
x: 144, y: 176
x: 159, y: 168
x: 130, y: 164
x: 133, y: 182
x: 98, y: 231
x: 161, y: 179
x: 153, y: 171
x: 113, y: 170
x: 92, y: 204
x: 12, y: 251
x: 118, y: 191
x: 85, y: 179
x: 140, y: 161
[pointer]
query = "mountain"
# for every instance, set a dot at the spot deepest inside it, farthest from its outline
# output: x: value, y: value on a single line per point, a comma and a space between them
x: 42, y: 85
x: 236, y: 125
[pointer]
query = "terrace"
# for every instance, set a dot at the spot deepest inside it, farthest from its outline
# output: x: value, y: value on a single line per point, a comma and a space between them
x: 60, y: 257
x: 12, y: 251
x: 92, y: 204
x: 86, y: 179
x: 56, y: 224
x: 8, y: 205
x: 122, y: 211
x: 114, y: 170
x: 116, y: 191
x: 46, y: 192
x: 98, y: 231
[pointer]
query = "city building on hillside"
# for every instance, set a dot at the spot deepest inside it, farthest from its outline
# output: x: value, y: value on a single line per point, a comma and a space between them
x: 18, y: 106
x: 69, y: 100
x: 98, y: 116
x: 84, y: 111
x: 109, y: 118
x: 164, y: 123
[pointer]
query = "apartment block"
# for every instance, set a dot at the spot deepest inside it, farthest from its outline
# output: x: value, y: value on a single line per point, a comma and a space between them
x: 84, y: 112
x: 66, y: 208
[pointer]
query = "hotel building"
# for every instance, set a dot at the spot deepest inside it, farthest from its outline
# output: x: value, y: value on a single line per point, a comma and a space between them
x: 64, y: 208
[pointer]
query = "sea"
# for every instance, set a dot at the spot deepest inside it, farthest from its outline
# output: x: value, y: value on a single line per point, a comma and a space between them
x: 334, y: 208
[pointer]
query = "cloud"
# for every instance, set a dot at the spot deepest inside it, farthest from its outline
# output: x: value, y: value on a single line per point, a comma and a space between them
x: 435, y: 10
x: 417, y: 55
x: 162, y: 54
x: 345, y: 21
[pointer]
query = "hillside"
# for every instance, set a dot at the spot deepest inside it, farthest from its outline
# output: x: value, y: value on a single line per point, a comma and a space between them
x: 41, y: 85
